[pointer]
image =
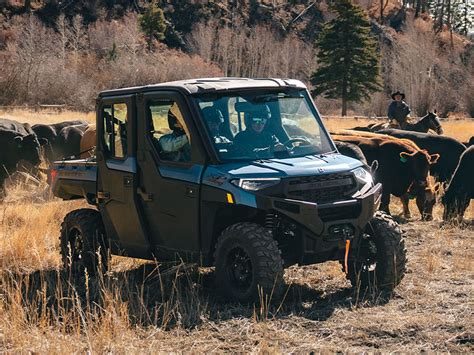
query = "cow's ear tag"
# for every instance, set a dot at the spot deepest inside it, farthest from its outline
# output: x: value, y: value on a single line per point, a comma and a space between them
x: 403, y: 159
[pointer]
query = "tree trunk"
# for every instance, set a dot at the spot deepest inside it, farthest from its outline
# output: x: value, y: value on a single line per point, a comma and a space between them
x: 344, y: 96
x: 381, y: 12
x: 448, y: 21
x: 382, y: 9
x: 418, y: 8
x: 440, y: 20
x: 344, y: 106
x: 466, y: 18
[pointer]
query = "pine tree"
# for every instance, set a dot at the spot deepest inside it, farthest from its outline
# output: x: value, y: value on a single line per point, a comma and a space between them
x: 152, y: 23
x: 347, y: 57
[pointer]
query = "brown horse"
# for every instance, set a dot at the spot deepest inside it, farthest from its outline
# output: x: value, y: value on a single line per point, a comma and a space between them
x: 424, y: 124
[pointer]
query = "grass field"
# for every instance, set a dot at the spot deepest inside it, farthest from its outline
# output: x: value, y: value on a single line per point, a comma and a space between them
x: 147, y: 307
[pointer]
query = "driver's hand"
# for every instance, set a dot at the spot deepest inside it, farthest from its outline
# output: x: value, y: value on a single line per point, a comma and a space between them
x: 278, y: 147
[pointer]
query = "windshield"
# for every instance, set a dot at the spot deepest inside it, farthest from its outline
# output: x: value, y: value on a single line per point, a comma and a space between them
x: 263, y: 124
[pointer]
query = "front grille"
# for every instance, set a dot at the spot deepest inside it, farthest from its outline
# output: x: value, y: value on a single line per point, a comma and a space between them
x: 337, y: 213
x: 321, y: 188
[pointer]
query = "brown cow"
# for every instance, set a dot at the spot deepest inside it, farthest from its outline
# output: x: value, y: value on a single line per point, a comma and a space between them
x: 403, y: 168
x: 88, y: 142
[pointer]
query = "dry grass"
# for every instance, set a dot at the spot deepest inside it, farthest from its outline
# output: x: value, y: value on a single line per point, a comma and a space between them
x: 140, y: 307
x: 45, y: 116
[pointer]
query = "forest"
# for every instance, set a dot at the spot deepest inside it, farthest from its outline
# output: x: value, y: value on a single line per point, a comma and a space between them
x: 65, y: 52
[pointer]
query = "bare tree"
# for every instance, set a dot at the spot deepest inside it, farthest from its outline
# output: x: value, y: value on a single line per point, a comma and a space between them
x: 383, y: 5
x: 252, y: 52
x: 77, y: 34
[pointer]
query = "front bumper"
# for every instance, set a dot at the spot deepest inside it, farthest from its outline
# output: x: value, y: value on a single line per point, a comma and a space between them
x: 323, y: 219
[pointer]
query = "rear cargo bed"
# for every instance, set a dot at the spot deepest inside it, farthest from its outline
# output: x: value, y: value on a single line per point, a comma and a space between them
x: 74, y: 179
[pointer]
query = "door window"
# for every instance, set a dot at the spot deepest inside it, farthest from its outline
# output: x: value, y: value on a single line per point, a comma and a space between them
x: 168, y: 131
x: 115, y: 129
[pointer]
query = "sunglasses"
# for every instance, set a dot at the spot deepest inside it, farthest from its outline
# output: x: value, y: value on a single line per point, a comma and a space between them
x: 257, y: 120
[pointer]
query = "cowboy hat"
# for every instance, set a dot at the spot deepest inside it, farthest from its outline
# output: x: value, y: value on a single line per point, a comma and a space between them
x: 398, y: 93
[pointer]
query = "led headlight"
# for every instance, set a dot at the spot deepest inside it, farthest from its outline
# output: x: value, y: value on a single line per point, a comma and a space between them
x: 363, y: 176
x: 255, y: 184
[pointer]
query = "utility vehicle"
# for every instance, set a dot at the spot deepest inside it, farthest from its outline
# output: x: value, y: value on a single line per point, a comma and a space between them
x: 249, y: 213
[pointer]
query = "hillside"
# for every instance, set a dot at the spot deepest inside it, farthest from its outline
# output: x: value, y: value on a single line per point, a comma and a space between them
x: 45, y: 45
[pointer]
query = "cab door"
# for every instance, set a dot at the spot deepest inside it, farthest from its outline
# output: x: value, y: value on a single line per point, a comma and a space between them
x: 117, y: 177
x: 169, y: 181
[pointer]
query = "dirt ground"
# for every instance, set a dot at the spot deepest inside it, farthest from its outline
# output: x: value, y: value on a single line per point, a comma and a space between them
x: 149, y: 307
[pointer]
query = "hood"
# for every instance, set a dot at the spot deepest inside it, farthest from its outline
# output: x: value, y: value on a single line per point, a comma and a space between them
x: 281, y: 168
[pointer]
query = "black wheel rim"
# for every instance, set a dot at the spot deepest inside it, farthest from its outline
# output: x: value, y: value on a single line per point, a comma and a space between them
x: 239, y: 267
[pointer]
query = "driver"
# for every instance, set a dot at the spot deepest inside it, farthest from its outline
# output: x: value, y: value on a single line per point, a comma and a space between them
x: 255, y: 137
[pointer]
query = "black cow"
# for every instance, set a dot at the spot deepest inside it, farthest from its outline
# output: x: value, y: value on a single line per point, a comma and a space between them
x: 449, y: 150
x: 469, y: 142
x: 25, y: 131
x: 15, y: 126
x: 350, y: 150
x: 16, y: 147
x: 50, y: 132
x: 461, y: 188
x: 68, y: 142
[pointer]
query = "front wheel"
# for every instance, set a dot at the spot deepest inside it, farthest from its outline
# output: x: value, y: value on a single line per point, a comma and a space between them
x: 381, y: 263
x: 83, y: 244
x: 248, y: 258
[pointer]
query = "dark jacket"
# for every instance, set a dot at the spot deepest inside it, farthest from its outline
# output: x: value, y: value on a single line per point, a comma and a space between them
x: 399, y: 110
x: 249, y: 142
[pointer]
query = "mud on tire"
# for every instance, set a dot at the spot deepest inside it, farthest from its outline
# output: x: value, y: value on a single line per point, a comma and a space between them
x: 248, y: 258
x: 83, y: 242
x: 382, y: 256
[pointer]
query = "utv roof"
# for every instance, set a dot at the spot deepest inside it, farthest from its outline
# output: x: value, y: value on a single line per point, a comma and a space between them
x: 192, y: 86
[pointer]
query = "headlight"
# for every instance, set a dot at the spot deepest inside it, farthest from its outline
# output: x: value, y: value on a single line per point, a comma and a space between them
x: 363, y: 176
x: 255, y: 184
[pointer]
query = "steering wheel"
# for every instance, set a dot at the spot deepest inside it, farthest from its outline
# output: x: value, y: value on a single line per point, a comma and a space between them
x: 295, y: 140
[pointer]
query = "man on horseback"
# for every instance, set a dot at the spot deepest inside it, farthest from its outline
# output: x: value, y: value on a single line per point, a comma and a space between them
x: 398, y: 111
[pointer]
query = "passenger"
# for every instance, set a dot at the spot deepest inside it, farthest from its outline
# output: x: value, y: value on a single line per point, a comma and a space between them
x: 255, y: 137
x: 215, y: 119
x: 398, y: 111
x: 175, y: 145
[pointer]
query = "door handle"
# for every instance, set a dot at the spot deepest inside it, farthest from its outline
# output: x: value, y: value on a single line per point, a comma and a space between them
x: 190, y: 191
x: 103, y: 196
x: 144, y: 195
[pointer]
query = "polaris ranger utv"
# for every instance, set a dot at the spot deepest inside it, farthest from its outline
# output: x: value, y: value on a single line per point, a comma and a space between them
x: 180, y: 171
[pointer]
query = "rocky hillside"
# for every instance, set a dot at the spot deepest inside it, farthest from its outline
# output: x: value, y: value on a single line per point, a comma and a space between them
x: 239, y: 38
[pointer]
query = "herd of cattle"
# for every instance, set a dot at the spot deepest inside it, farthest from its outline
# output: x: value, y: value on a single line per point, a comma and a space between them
x: 404, y: 162
x: 24, y: 147
x: 401, y: 160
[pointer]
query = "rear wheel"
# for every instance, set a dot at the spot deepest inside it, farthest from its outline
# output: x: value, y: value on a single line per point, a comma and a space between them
x: 83, y: 243
x: 248, y: 258
x: 380, y: 265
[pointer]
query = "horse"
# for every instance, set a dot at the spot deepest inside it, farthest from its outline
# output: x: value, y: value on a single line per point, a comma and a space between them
x: 424, y: 124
